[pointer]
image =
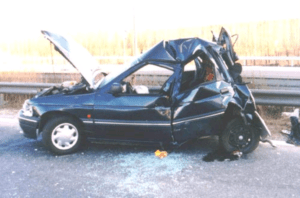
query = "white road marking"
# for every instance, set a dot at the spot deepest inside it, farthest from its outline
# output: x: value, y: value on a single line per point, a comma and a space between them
x: 281, y: 143
x: 8, y: 121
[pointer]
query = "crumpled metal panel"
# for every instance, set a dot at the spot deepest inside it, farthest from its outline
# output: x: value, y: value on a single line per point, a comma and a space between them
x: 186, y: 48
x: 179, y: 51
x: 157, y: 53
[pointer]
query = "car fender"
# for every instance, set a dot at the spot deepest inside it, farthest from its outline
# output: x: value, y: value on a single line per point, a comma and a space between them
x: 55, y: 113
x: 250, y: 117
x: 258, y: 121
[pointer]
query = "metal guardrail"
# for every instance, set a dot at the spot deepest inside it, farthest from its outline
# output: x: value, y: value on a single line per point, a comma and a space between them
x: 270, y: 85
x: 262, y: 96
x: 127, y: 58
x: 130, y: 57
x: 277, y: 58
x: 22, y: 88
x: 276, y: 97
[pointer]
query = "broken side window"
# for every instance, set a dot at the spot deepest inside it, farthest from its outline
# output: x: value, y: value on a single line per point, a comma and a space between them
x: 188, y: 75
x: 198, y: 71
x: 221, y: 67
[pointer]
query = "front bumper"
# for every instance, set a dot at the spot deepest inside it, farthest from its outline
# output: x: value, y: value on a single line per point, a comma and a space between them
x: 29, y: 125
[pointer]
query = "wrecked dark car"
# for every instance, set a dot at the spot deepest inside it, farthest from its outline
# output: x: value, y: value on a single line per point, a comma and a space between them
x: 193, y: 89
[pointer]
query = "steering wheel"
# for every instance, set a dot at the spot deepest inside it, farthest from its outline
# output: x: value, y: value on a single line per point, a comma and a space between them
x: 129, y: 88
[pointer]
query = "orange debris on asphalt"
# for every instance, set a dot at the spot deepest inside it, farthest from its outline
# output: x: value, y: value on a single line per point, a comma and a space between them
x: 161, y: 154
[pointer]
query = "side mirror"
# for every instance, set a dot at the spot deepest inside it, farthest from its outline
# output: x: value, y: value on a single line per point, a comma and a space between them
x: 237, y: 68
x: 116, y: 88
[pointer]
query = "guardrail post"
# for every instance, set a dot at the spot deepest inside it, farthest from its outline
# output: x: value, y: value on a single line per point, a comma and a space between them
x: 292, y: 63
x: 2, y: 102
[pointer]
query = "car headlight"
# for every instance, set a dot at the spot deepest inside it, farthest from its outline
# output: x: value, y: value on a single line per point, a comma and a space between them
x: 27, y: 109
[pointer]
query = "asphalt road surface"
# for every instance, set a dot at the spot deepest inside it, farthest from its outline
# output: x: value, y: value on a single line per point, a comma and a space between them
x: 27, y: 169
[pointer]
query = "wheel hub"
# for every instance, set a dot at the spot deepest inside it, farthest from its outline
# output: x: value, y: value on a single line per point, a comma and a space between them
x: 64, y: 136
x: 240, y: 136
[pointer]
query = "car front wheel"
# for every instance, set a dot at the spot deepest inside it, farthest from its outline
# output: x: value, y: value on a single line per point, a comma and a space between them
x: 62, y: 135
x: 239, y: 136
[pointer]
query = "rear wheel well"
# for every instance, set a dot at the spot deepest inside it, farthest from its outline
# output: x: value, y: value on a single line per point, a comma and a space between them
x: 239, y: 136
x: 54, y: 114
x: 232, y: 111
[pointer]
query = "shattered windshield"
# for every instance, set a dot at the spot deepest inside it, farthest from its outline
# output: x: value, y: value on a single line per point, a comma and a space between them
x: 108, y: 78
x: 112, y: 75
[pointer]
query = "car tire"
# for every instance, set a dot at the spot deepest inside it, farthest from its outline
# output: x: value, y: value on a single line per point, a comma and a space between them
x: 239, y: 136
x: 62, y: 135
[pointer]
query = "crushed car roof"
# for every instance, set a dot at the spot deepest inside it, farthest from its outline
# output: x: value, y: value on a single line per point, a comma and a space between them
x: 180, y: 50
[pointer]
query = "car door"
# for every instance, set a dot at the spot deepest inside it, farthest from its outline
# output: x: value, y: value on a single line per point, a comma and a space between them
x: 199, y: 109
x: 133, y: 116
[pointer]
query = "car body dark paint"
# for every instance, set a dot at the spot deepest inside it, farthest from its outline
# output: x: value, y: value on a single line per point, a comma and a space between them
x: 28, y: 125
x: 170, y: 116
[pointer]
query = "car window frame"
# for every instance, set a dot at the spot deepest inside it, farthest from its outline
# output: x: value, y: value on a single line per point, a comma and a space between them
x: 221, y: 64
x: 211, y: 59
x: 142, y: 66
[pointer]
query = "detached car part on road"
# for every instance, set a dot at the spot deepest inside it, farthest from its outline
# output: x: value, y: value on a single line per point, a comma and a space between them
x: 203, y: 94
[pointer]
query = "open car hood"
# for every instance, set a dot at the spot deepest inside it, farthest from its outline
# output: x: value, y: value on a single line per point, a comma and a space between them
x: 224, y: 40
x: 77, y: 55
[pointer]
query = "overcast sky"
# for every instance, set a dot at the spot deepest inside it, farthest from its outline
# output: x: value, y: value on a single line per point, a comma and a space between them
x: 26, y: 18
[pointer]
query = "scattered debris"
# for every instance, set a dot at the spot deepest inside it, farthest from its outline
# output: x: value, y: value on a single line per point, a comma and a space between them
x: 286, y: 132
x: 237, y: 153
x: 161, y: 154
x: 294, y: 133
x: 291, y: 114
x: 268, y: 141
x: 221, y: 155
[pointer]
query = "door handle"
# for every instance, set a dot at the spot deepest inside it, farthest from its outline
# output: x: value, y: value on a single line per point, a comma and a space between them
x: 224, y: 90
